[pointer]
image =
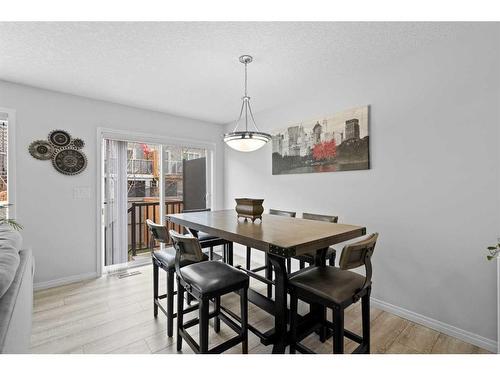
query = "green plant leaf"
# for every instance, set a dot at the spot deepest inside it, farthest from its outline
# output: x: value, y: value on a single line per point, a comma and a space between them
x: 492, y: 247
x: 14, y: 224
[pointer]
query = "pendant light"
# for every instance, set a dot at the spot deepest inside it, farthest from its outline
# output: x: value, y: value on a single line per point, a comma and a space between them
x: 246, y: 140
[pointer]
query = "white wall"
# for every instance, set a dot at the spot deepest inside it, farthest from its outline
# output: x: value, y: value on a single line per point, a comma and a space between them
x: 62, y: 230
x: 433, y: 189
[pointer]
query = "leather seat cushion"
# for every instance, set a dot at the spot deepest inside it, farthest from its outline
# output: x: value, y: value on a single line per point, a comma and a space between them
x: 167, y: 258
x: 212, y: 276
x: 329, y: 283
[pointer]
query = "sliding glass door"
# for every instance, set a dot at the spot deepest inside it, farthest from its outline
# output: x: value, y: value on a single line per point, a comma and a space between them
x: 137, y: 178
x: 185, y: 174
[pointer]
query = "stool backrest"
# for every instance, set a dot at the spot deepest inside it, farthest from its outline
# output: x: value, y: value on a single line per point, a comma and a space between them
x: 282, y: 213
x: 187, y: 247
x: 355, y: 255
x: 327, y: 218
x: 158, y: 231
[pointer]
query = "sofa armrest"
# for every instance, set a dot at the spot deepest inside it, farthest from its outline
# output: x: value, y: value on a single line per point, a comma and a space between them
x: 16, y: 308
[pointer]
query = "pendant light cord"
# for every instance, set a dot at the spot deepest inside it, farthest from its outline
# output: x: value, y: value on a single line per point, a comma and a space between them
x: 246, y: 106
x: 246, y: 64
x: 245, y: 99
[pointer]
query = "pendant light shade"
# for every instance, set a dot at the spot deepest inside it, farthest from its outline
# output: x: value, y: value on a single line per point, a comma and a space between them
x: 246, y: 140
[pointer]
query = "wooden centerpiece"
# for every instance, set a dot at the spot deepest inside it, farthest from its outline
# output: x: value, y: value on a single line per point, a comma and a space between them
x: 249, y: 208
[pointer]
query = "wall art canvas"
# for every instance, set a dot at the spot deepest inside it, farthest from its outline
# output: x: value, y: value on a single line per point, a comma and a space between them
x: 339, y: 142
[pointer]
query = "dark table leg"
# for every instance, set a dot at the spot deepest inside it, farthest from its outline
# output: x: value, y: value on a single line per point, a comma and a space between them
x: 280, y: 303
x: 269, y: 276
x: 279, y: 335
x: 320, y: 258
x: 230, y: 253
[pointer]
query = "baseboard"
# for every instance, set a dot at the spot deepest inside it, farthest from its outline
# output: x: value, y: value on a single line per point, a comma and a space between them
x: 64, y: 281
x: 445, y: 328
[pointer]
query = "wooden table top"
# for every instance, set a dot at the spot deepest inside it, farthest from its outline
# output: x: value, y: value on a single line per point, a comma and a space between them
x: 279, y: 235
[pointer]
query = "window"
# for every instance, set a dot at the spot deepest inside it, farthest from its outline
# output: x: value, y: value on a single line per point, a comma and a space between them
x: 4, y: 199
x: 171, y: 188
x: 136, y: 188
x: 189, y: 155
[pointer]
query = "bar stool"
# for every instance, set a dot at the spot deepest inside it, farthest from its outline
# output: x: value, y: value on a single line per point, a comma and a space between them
x: 336, y: 288
x: 210, y: 241
x: 206, y: 281
x: 268, y: 267
x: 331, y: 253
x: 165, y: 259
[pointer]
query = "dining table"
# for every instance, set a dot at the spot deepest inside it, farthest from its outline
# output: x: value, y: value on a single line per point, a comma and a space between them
x: 280, y: 238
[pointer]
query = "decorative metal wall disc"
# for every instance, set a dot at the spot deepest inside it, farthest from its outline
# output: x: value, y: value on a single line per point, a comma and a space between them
x: 77, y: 143
x: 63, y: 150
x: 59, y: 138
x: 69, y: 161
x: 41, y: 150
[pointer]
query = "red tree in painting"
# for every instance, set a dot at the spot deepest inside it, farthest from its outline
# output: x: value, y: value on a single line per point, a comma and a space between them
x: 325, y: 150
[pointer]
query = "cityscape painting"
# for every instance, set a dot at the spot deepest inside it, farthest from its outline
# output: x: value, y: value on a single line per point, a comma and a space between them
x: 330, y: 144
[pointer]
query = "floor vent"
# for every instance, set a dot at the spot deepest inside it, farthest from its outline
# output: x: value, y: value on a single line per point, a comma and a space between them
x: 128, y: 274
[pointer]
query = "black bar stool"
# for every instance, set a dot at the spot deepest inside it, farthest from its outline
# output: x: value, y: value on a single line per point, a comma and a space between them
x: 331, y: 253
x: 336, y: 288
x: 209, y: 241
x: 165, y: 259
x: 207, y: 281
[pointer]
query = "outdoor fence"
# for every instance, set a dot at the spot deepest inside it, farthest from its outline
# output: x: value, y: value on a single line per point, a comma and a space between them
x: 139, y: 212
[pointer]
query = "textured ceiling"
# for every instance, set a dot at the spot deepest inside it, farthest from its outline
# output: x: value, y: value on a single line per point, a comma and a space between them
x: 192, y: 69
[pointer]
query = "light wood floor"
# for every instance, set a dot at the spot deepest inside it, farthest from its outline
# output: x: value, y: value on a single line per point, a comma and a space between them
x: 113, y: 315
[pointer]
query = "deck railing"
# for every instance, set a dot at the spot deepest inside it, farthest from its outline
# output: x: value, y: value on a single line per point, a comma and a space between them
x: 139, y: 212
x: 172, y: 166
x: 140, y: 166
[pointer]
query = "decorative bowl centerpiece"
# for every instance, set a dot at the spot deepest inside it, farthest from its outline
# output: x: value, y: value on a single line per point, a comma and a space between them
x: 249, y: 208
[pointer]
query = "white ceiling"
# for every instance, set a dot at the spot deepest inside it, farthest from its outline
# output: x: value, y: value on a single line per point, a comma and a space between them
x: 192, y: 69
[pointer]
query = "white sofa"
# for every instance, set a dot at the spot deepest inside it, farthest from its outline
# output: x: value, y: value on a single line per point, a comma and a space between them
x: 16, y: 293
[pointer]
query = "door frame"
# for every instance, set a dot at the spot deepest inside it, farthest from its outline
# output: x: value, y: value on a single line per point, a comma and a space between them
x: 160, y: 140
